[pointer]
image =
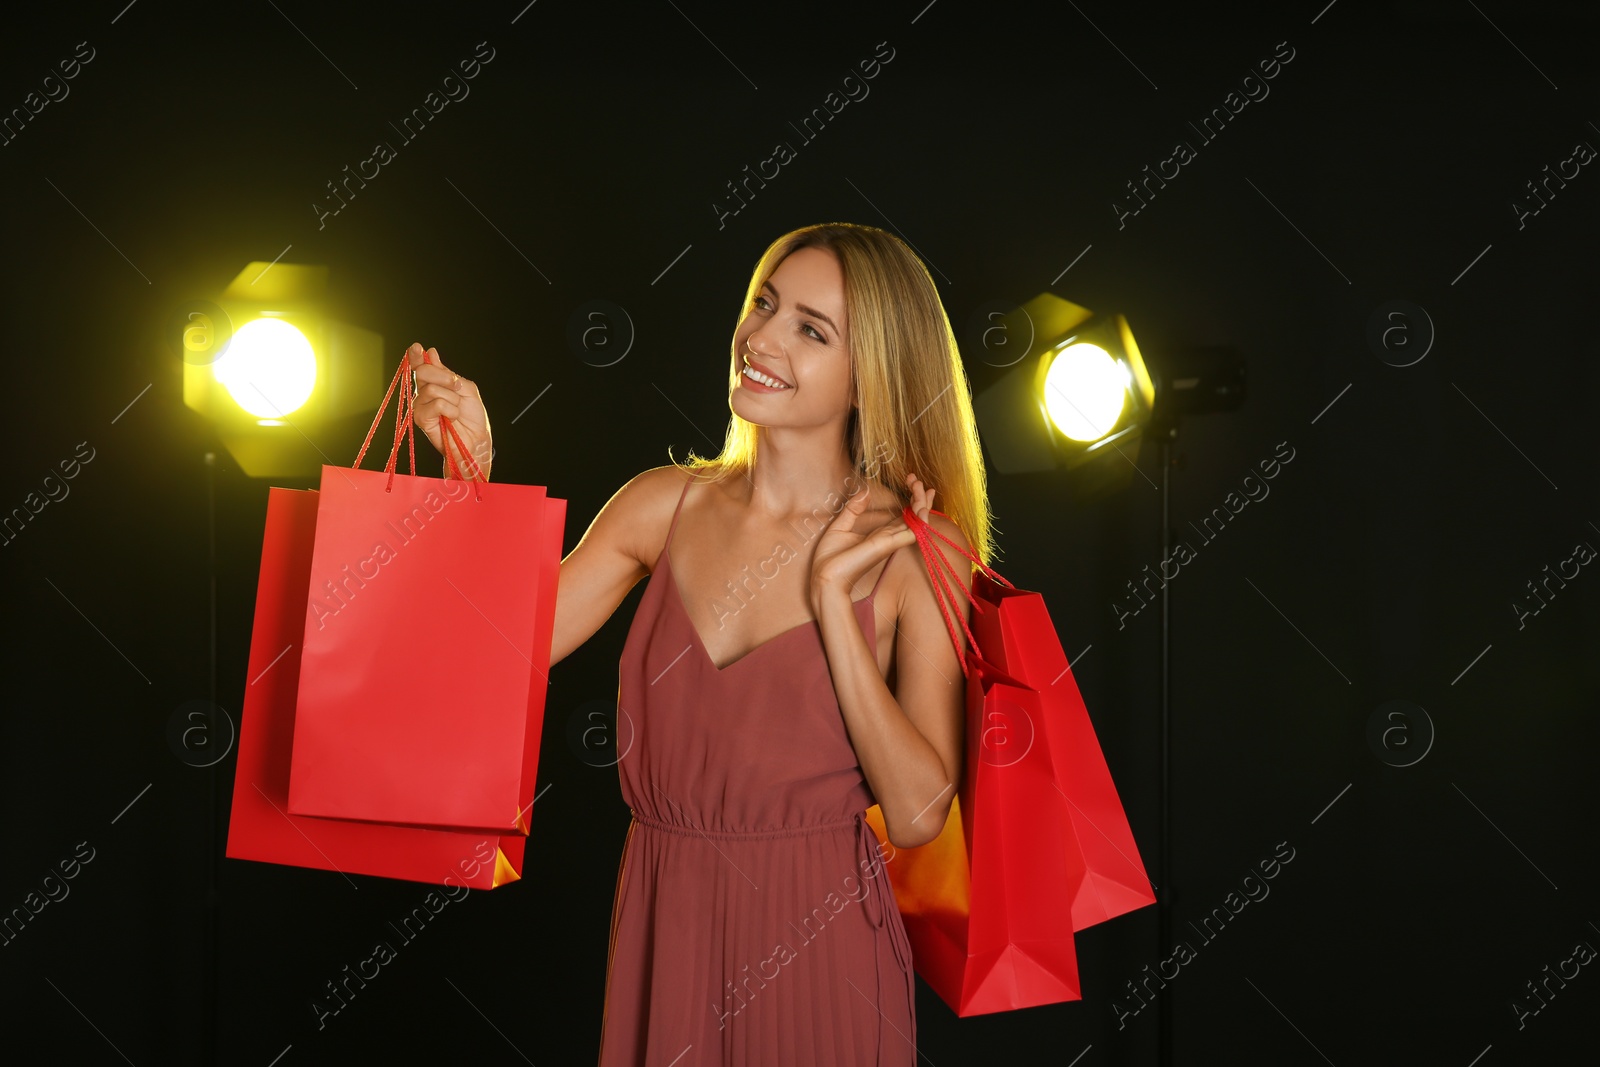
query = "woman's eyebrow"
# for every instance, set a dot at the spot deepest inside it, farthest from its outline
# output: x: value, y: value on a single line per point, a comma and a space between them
x: 813, y: 312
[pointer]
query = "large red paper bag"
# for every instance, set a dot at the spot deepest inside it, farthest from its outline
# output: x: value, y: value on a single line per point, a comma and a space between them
x: 260, y: 827
x: 1108, y: 876
x: 426, y: 648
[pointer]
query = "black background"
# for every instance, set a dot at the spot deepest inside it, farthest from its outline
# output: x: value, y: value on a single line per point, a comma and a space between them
x: 1420, y: 501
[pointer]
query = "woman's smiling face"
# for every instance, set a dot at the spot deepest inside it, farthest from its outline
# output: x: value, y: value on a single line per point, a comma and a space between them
x: 795, y: 331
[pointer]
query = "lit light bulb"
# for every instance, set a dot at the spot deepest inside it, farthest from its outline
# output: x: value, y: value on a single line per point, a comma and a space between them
x: 268, y: 368
x: 1085, y: 391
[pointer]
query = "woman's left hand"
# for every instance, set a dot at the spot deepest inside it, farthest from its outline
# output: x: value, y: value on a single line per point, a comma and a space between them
x: 844, y: 554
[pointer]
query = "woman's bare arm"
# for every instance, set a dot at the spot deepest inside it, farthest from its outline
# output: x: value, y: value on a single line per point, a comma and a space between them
x: 615, y: 552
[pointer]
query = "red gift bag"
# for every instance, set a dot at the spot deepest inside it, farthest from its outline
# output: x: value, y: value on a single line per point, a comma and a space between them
x: 260, y: 827
x: 1037, y: 844
x: 426, y: 646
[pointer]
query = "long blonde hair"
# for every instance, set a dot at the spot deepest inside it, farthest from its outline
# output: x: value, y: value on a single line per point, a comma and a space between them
x: 914, y: 406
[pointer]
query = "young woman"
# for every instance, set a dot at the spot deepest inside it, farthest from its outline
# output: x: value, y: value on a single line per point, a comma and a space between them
x: 788, y: 667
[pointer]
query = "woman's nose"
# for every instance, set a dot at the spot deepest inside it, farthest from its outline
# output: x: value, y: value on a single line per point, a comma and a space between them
x: 758, y: 343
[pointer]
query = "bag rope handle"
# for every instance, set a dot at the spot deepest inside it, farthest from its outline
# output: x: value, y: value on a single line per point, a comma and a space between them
x: 404, y: 425
x: 942, y: 590
x: 450, y: 461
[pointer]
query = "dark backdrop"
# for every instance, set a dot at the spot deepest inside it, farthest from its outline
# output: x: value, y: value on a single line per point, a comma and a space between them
x: 1386, y: 164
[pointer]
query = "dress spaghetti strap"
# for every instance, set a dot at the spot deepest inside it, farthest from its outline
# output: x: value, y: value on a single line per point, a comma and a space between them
x: 678, y: 511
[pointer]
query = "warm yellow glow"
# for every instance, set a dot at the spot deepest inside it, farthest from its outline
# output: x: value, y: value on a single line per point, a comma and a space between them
x: 1085, y: 390
x: 268, y: 368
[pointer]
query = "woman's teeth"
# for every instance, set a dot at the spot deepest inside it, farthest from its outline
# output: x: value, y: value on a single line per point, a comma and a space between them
x: 752, y: 373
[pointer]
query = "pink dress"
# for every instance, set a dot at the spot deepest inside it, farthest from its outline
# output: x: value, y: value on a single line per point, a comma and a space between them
x: 753, y: 921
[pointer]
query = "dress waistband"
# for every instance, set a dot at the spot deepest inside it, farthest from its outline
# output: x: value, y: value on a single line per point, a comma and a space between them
x: 742, y: 835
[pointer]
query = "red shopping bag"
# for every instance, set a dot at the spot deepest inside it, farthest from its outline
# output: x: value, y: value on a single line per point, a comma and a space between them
x: 426, y: 646
x: 260, y: 827
x: 1037, y: 844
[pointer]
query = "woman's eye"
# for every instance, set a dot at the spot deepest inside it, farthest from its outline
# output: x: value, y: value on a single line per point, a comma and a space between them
x: 760, y: 303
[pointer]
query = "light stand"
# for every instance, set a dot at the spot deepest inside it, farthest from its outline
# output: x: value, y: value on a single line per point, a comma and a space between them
x: 213, y: 852
x: 1188, y: 382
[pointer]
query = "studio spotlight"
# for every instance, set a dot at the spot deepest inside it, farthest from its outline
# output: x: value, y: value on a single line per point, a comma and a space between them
x: 271, y: 370
x: 1079, y: 390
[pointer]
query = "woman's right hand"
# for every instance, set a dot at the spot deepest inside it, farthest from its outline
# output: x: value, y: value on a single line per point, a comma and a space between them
x: 441, y: 391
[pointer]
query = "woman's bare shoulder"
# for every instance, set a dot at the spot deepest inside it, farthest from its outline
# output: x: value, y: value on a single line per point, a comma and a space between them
x: 912, y: 569
x: 657, y: 481
x: 645, y: 506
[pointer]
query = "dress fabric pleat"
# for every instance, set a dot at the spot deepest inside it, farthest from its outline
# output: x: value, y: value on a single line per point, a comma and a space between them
x: 753, y: 921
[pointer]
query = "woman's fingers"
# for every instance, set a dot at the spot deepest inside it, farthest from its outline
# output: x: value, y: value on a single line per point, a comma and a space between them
x: 433, y: 373
x: 921, y: 496
x: 430, y: 374
x: 427, y: 368
x: 433, y: 401
x: 417, y: 356
x: 465, y: 412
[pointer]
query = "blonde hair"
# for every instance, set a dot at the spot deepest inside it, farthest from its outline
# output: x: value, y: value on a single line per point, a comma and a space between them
x: 914, y: 406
